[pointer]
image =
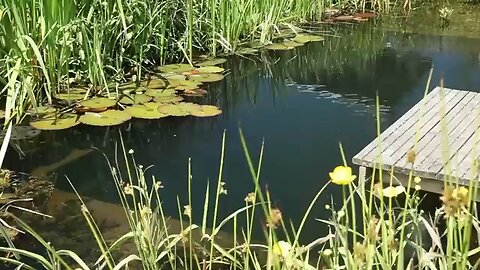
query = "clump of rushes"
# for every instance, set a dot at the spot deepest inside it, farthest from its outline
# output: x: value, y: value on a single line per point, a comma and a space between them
x: 49, y: 46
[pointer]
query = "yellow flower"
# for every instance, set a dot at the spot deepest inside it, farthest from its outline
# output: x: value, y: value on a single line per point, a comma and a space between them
x: 460, y: 193
x: 392, y: 191
x: 342, y: 175
x: 282, y: 248
x: 417, y: 180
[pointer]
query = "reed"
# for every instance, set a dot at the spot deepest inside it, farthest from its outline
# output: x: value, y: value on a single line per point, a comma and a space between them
x: 55, y: 44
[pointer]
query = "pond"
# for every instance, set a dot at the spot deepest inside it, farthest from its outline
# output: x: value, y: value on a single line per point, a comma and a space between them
x: 302, y: 103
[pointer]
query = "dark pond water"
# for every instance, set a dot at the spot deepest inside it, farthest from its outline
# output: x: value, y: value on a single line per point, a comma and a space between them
x: 301, y: 102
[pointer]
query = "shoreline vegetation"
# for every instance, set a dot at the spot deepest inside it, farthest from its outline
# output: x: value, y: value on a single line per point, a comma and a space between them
x: 53, y: 47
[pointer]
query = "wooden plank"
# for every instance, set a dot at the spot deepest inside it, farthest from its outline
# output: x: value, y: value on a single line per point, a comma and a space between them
x: 405, y: 139
x: 458, y: 164
x: 474, y: 154
x: 404, y: 120
x: 369, y: 154
x: 461, y: 127
x: 427, y: 148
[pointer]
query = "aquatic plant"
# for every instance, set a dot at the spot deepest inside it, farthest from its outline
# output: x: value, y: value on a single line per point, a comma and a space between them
x: 49, y: 47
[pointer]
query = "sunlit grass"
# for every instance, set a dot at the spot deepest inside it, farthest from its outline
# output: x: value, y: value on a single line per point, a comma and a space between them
x: 52, y: 45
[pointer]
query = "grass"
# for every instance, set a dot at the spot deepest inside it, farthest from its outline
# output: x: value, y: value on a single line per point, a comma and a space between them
x: 378, y: 224
x: 50, y: 46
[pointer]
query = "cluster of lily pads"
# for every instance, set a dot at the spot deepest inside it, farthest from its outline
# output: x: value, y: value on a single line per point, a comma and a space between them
x: 297, y: 41
x: 161, y: 96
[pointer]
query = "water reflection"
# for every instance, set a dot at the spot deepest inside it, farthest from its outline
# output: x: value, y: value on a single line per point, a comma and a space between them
x: 301, y: 102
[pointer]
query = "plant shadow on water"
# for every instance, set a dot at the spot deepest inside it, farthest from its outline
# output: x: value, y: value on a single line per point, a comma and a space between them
x: 301, y: 102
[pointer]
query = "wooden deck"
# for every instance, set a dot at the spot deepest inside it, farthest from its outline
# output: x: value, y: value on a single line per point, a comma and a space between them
x: 441, y: 130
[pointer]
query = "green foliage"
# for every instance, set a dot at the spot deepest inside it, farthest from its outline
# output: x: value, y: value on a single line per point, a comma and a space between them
x: 46, y: 45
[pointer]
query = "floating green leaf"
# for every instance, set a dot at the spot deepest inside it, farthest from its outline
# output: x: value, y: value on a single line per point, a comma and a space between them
x: 106, y: 118
x: 206, y: 77
x: 198, y: 92
x: 172, y: 76
x: 70, y: 96
x: 138, y: 98
x: 190, y: 83
x: 178, y: 68
x: 168, y: 99
x: 206, y: 111
x: 155, y: 84
x: 278, y: 47
x: 98, y: 102
x: 147, y: 110
x: 291, y: 43
x: 149, y: 84
x: 307, y: 38
x: 247, y: 51
x: 173, y: 110
x: 189, y: 107
x: 52, y: 122
x: 160, y: 92
x: 210, y: 69
x: 186, y: 87
x: 212, y: 62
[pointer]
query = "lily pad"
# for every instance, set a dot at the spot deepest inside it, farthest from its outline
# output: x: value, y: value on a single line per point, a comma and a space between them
x: 71, y: 96
x: 139, y: 98
x: 247, y: 51
x: 106, y: 118
x: 173, y: 76
x: 178, y: 68
x: 98, y: 102
x: 147, y: 110
x: 173, y: 110
x: 51, y: 122
x: 186, y: 73
x: 186, y: 87
x: 206, y: 111
x: 168, y: 99
x: 198, y: 92
x: 316, y: 38
x: 206, y: 77
x: 189, y: 107
x: 160, y: 92
x: 212, y: 62
x: 189, y: 83
x: 155, y: 84
x: 149, y: 84
x: 278, y: 47
x: 210, y: 69
x: 307, y: 38
x: 291, y: 43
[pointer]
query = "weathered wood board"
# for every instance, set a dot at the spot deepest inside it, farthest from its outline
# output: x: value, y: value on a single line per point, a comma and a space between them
x: 442, y: 130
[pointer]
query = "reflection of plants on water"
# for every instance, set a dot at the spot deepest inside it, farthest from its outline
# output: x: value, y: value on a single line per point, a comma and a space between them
x: 353, y: 49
